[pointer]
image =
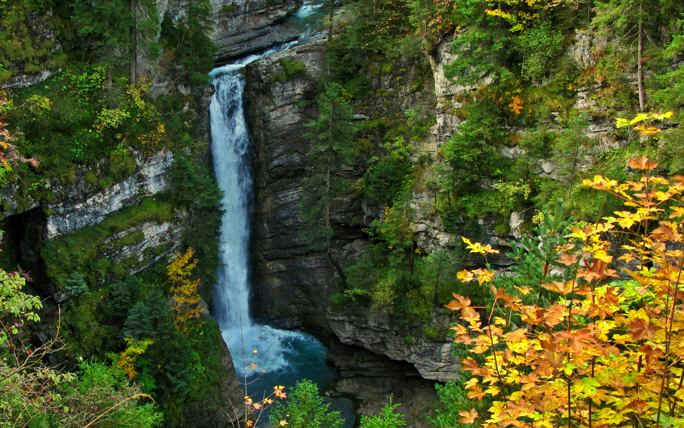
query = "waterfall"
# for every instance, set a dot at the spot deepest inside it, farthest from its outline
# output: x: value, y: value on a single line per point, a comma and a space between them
x: 308, y: 9
x: 254, y: 348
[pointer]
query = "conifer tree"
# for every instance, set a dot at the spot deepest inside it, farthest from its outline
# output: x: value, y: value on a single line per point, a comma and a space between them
x: 332, y: 134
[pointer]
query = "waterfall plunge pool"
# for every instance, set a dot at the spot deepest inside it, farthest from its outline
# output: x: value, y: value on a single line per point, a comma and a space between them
x: 263, y: 356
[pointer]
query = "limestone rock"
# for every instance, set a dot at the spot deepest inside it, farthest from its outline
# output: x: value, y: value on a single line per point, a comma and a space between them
x: 26, y: 80
x: 293, y: 279
x: 81, y: 210
x: 165, y: 238
x: 287, y: 270
x: 374, y: 332
x: 516, y: 220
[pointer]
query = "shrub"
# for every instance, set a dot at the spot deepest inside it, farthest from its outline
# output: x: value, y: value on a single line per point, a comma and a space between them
x: 601, y: 352
x: 387, y: 418
x: 305, y: 408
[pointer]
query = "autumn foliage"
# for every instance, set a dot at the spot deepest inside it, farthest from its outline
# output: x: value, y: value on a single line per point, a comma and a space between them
x: 608, y: 349
x: 187, y: 303
x: 8, y: 152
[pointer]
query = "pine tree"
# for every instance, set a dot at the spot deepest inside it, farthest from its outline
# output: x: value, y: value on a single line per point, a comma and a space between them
x: 639, y: 23
x: 332, y: 136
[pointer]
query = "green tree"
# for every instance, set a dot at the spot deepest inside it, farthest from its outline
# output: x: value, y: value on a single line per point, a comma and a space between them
x: 114, y: 32
x: 453, y: 400
x: 638, y: 22
x: 670, y: 92
x: 16, y: 306
x: 26, y: 42
x: 195, y: 189
x: 187, y: 39
x: 305, y: 408
x: 102, y: 396
x: 94, y: 31
x: 387, y: 418
x: 332, y: 136
x: 33, y: 393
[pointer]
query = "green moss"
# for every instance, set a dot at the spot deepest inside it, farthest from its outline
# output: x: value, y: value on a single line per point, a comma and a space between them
x: 83, y: 251
x: 91, y: 179
x: 129, y: 239
x: 229, y: 9
x: 152, y: 253
x: 431, y: 333
x: 290, y: 68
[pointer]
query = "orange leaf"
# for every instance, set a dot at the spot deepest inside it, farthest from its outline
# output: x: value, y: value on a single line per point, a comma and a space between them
x: 516, y: 105
x: 642, y: 163
x: 460, y: 303
x: 567, y: 259
x: 641, y: 329
x: 476, y: 393
x: 563, y: 288
x: 468, y: 417
x: 554, y: 315
x: 647, y: 130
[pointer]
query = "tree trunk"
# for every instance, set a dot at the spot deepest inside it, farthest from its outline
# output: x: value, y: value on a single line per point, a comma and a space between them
x: 331, y: 13
x: 330, y: 157
x: 640, y: 58
x: 134, y: 42
x: 109, y: 83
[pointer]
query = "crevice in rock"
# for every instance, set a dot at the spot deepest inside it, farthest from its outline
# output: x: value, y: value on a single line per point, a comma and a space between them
x: 22, y: 241
x: 369, y: 380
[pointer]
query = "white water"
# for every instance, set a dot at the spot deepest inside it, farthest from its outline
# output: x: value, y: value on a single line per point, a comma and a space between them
x: 255, y: 348
x: 308, y: 9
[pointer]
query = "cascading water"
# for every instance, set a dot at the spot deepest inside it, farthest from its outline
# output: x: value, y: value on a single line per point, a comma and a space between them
x: 308, y: 9
x: 255, y: 348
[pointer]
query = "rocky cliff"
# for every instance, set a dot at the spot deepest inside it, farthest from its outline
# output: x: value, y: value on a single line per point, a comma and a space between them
x: 248, y: 26
x: 293, y: 281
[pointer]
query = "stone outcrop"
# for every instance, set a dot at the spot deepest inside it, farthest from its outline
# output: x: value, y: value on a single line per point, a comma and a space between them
x: 25, y: 80
x: 157, y: 240
x: 374, y: 332
x: 80, y: 210
x: 372, y: 378
x: 446, y: 120
x: 249, y: 26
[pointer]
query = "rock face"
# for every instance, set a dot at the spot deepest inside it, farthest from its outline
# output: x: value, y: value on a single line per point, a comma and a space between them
x: 293, y: 280
x: 81, y: 210
x: 285, y: 266
x: 371, y: 378
x: 433, y: 360
x: 26, y: 80
x: 247, y: 26
x: 445, y: 91
x: 157, y: 240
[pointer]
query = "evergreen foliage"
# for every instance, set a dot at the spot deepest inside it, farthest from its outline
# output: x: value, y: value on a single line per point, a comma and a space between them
x: 305, y: 408
x: 91, y: 124
x: 189, y: 51
x: 453, y: 400
x: 332, y: 135
x: 387, y: 418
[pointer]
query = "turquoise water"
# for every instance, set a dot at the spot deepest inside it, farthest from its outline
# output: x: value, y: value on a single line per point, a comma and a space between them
x: 263, y: 356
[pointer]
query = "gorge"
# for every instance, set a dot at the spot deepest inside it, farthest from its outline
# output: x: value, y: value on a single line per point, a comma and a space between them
x: 203, y: 200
